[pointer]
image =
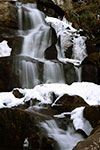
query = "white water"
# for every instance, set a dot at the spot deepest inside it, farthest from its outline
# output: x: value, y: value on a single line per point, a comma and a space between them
x: 37, y: 35
x: 37, y: 38
x: 53, y: 72
x: 66, y: 140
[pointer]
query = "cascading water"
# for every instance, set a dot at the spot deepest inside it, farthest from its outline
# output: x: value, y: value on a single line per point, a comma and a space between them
x: 37, y: 35
x: 53, y: 72
x: 66, y: 140
x: 69, y: 37
x: 37, y: 38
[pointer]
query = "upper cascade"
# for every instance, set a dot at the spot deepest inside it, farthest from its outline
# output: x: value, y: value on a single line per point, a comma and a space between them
x: 32, y: 26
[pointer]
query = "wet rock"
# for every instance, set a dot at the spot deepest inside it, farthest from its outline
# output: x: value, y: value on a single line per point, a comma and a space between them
x: 15, y: 43
x: 64, y: 4
x: 15, y: 126
x: 92, y: 114
x: 51, y: 53
x: 70, y: 73
x: 67, y: 103
x: 91, y: 68
x: 8, y: 78
x: 91, y: 143
x: 93, y: 45
x: 90, y: 73
x: 12, y: 73
x: 8, y: 15
x: 17, y: 93
x: 49, y: 8
x: 68, y: 52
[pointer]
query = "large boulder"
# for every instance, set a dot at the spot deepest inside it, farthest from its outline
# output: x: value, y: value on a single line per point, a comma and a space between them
x: 91, y: 68
x: 92, y: 114
x: 91, y: 143
x: 18, y: 127
x: 67, y: 103
x: 15, y: 126
x: 50, y: 8
x: 70, y: 73
x: 51, y: 52
x: 8, y: 15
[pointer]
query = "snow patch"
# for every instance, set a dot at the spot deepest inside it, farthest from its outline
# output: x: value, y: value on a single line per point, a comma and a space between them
x: 79, y: 121
x: 68, y: 36
x: 5, y: 50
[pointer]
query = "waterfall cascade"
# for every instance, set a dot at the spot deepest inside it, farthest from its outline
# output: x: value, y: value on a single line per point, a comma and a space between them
x: 37, y: 35
x: 66, y: 139
x: 32, y: 68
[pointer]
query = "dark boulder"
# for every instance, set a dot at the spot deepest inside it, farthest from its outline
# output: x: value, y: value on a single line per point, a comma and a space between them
x: 8, y: 15
x: 68, y: 52
x: 93, y: 45
x: 67, y: 103
x: 15, y: 126
x: 49, y: 8
x: 92, y: 114
x: 17, y: 93
x: 91, y: 68
x: 51, y: 53
x: 70, y: 73
x: 14, y: 71
x: 90, y: 73
x: 91, y: 143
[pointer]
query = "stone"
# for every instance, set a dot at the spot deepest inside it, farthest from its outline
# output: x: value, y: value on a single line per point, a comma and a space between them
x: 11, y: 74
x: 91, y: 68
x: 15, y: 126
x: 49, y: 8
x: 91, y: 143
x: 70, y: 73
x: 51, y: 53
x: 8, y: 15
x: 17, y: 93
x: 92, y: 114
x: 67, y: 103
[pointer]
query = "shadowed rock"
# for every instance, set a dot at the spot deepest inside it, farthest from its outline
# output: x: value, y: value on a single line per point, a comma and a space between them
x: 68, y: 103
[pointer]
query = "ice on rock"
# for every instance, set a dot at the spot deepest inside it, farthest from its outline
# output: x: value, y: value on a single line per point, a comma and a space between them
x: 68, y: 36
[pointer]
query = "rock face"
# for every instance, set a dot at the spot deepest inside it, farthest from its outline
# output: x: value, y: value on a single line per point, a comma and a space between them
x: 70, y: 73
x: 64, y: 4
x: 11, y: 76
x: 50, y: 8
x: 67, y: 103
x: 8, y: 15
x: 16, y: 126
x: 92, y: 142
x: 51, y: 52
x: 91, y: 68
x: 13, y: 127
x: 92, y: 114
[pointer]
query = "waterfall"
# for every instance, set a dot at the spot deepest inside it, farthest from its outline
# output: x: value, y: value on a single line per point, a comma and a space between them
x: 37, y: 37
x: 53, y: 72
x: 66, y: 140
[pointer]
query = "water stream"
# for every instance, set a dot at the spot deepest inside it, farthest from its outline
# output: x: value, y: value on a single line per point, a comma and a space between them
x: 37, y: 36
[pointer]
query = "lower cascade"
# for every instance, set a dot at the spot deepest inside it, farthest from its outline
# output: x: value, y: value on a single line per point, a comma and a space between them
x: 66, y: 140
x: 44, y: 103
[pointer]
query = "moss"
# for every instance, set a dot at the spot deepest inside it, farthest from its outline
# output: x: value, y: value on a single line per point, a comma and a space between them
x: 84, y: 15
